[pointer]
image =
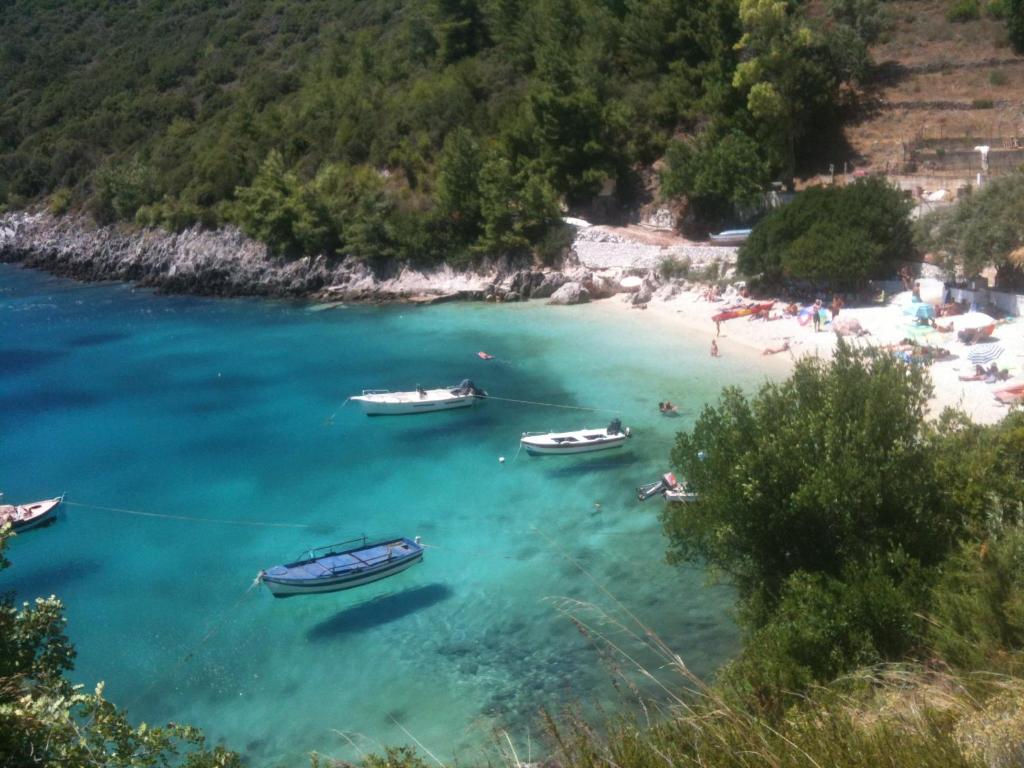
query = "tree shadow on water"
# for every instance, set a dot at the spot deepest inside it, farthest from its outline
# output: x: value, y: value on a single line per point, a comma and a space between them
x: 379, y: 611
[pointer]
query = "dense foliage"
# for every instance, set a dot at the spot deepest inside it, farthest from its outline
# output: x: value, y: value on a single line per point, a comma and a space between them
x: 855, y: 531
x: 1015, y: 24
x: 46, y: 721
x: 365, y: 127
x: 843, y: 235
x: 980, y: 231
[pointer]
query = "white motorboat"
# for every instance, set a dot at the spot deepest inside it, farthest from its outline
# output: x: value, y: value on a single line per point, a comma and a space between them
x: 578, y: 441
x: 381, y: 402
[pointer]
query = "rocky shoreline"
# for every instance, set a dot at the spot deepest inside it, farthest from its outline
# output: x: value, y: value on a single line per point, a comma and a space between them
x: 226, y: 262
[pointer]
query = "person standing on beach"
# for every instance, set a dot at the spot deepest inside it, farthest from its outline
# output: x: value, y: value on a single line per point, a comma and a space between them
x: 816, y: 315
x: 837, y: 304
x: 714, y: 348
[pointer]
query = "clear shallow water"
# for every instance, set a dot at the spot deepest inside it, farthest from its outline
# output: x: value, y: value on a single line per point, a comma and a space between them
x: 233, y: 410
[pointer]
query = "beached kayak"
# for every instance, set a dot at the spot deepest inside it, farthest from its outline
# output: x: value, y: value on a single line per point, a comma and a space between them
x: 753, y: 309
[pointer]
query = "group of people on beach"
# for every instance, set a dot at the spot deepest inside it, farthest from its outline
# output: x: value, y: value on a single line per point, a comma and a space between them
x: 989, y: 375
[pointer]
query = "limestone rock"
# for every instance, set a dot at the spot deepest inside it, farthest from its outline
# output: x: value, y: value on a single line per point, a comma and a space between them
x: 550, y: 282
x: 570, y: 293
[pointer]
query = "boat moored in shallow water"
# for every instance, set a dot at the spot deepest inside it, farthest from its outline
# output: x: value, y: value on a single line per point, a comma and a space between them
x: 342, y: 566
x: 670, y: 488
x: 382, y: 402
x: 577, y: 441
x: 24, y: 517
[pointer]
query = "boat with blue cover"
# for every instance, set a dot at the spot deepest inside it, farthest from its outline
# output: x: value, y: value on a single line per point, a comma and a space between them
x: 342, y: 566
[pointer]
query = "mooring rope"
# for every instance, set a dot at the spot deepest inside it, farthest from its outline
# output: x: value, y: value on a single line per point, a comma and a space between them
x: 330, y: 419
x: 190, y: 651
x: 188, y: 518
x: 552, y: 405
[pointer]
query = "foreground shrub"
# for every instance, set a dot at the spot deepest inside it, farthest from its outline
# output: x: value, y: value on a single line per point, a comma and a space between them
x: 895, y: 716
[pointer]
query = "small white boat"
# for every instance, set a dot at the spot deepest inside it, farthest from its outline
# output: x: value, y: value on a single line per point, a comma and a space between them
x: 730, y: 237
x: 578, y: 441
x: 669, y: 488
x: 381, y: 402
x: 24, y: 517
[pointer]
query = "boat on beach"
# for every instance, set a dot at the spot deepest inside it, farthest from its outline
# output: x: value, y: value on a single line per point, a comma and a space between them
x: 750, y: 309
x: 348, y: 564
x: 24, y: 517
x: 382, y: 402
x: 1010, y: 395
x: 730, y: 237
x: 670, y: 488
x: 577, y: 441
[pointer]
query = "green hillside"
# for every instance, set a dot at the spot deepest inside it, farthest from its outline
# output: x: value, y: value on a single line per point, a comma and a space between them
x: 386, y: 128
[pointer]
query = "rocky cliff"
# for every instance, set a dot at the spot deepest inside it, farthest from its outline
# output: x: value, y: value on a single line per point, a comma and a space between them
x: 225, y: 262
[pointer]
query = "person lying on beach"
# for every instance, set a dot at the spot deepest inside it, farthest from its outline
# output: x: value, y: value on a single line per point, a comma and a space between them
x: 978, y: 375
x: 993, y: 374
x: 948, y: 328
x: 776, y: 350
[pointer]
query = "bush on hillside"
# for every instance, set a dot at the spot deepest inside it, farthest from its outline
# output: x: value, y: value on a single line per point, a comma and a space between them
x: 964, y: 10
x: 841, y: 235
x: 865, y: 17
x: 1015, y: 24
x: 998, y: 9
x: 719, y: 175
x: 977, y: 611
x: 981, y: 230
x: 825, y: 626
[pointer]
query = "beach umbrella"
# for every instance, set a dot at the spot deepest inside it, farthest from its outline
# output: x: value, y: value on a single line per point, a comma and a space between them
x: 919, y: 309
x: 984, y: 353
x: 970, y: 321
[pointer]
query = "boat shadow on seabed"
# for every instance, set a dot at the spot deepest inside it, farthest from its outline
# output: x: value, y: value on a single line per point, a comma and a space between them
x: 604, y: 464
x: 379, y: 611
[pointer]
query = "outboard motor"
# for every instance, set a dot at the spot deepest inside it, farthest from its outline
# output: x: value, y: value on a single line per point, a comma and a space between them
x: 615, y: 427
x: 644, y: 492
x: 467, y: 387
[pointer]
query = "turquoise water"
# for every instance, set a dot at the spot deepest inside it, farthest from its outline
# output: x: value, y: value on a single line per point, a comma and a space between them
x: 233, y: 410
